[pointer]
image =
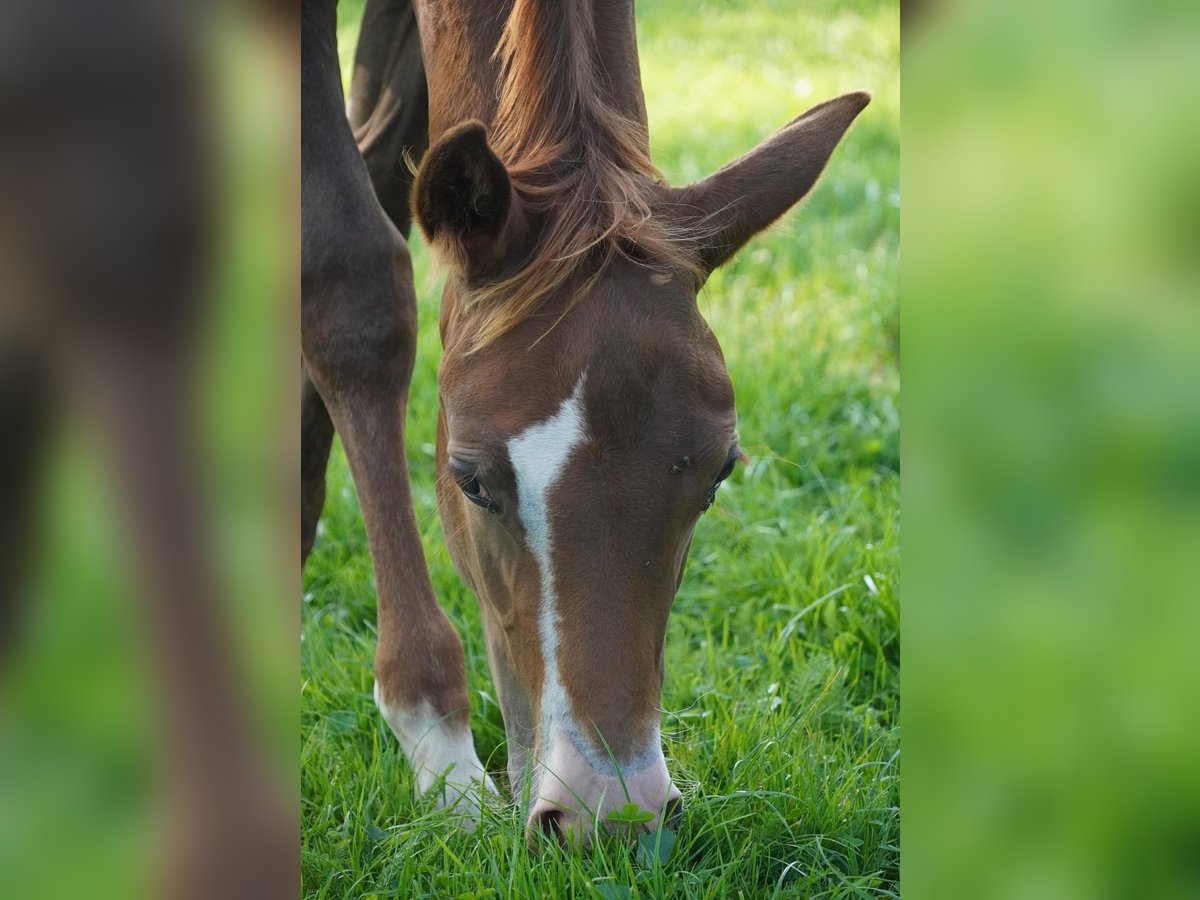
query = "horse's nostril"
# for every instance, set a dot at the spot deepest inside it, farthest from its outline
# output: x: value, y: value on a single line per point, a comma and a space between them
x: 548, y: 823
x: 673, y: 812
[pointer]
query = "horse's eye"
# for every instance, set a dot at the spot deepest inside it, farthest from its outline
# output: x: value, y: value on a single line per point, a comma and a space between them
x: 468, y: 482
x: 734, y: 455
x: 728, y: 470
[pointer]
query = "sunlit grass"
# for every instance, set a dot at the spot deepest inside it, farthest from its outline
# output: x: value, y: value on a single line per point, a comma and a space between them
x: 781, y: 696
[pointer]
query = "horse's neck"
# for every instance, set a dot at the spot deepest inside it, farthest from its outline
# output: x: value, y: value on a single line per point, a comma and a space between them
x: 459, y: 38
x: 616, y: 35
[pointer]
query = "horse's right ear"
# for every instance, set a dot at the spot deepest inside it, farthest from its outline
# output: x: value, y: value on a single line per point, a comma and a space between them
x: 463, y: 200
x: 749, y: 194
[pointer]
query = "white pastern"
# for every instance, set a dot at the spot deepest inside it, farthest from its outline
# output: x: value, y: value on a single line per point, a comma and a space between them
x: 437, y: 747
x: 538, y: 456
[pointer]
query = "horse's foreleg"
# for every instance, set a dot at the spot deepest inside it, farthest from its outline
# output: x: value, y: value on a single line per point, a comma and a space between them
x: 359, y: 336
x: 388, y: 105
x: 229, y: 833
x: 316, y: 439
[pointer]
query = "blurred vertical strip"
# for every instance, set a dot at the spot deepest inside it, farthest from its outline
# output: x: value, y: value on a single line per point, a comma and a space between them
x: 149, y: 196
x: 1051, y: 311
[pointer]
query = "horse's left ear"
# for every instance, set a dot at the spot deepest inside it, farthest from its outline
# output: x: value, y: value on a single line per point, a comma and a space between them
x: 749, y: 194
x: 463, y: 201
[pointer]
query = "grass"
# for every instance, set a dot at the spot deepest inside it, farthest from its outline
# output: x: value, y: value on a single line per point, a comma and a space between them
x: 782, y: 689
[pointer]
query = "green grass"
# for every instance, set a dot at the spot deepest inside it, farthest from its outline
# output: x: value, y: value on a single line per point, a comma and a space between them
x: 782, y: 689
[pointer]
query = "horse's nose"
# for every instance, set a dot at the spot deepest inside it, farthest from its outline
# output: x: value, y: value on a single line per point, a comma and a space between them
x: 563, y: 821
x: 575, y: 797
x: 550, y: 822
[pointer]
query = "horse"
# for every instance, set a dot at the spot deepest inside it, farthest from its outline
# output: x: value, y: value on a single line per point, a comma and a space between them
x: 586, y: 416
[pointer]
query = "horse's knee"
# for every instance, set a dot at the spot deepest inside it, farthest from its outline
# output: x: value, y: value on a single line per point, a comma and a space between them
x: 359, y: 320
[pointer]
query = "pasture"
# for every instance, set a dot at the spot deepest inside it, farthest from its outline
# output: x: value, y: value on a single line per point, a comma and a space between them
x: 781, y: 701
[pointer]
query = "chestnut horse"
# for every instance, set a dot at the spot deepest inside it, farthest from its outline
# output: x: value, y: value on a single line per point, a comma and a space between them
x: 587, y: 417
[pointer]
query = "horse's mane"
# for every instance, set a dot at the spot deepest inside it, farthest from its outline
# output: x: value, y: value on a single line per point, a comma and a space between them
x: 578, y: 163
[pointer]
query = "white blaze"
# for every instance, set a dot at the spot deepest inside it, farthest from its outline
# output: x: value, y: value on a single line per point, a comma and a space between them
x: 582, y: 783
x: 538, y: 455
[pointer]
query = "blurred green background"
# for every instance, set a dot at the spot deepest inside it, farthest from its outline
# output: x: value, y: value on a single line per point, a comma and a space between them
x: 1052, y: 450
x: 80, y: 749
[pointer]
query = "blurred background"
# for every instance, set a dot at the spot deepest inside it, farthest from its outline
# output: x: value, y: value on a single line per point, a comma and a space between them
x: 148, y: 459
x: 1051, y: 446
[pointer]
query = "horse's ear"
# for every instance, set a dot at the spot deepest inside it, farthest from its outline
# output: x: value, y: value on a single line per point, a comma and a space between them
x: 463, y: 200
x: 749, y: 194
